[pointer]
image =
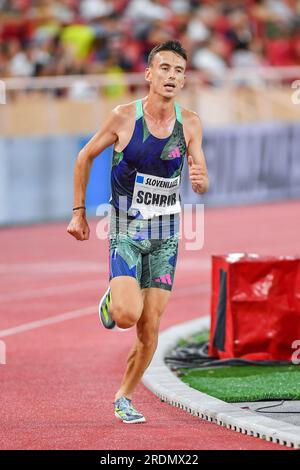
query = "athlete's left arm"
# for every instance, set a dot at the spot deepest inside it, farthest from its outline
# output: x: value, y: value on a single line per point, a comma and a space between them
x: 196, y: 160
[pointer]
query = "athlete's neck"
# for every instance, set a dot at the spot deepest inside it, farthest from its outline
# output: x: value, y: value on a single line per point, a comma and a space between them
x: 158, y: 107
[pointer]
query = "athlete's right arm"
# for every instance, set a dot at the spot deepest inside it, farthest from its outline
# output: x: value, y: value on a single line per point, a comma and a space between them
x: 106, y: 136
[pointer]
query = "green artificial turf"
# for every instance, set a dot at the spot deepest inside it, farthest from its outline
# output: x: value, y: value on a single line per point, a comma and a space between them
x: 197, y: 338
x: 242, y: 383
x: 246, y: 383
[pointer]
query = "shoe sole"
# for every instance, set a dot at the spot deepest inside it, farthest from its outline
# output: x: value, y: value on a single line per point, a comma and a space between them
x: 99, y: 311
x: 133, y: 421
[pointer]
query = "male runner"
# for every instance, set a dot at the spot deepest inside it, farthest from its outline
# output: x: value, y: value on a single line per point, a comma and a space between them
x: 151, y: 138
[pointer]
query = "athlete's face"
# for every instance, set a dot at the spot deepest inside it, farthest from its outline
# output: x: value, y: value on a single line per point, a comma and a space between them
x: 166, y: 74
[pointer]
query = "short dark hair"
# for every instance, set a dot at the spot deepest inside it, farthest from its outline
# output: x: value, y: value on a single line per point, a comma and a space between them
x: 173, y: 46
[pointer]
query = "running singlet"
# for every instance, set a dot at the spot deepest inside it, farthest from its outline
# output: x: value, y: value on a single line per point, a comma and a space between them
x: 146, y: 174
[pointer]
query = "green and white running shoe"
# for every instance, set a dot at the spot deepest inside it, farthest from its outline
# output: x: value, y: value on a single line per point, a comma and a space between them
x: 125, y: 411
x: 104, y: 314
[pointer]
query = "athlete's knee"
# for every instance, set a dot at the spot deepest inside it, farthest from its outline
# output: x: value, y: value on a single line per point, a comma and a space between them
x: 126, y: 321
x: 125, y: 315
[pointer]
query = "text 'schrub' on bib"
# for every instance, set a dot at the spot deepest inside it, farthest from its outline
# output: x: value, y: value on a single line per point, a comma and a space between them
x: 153, y: 195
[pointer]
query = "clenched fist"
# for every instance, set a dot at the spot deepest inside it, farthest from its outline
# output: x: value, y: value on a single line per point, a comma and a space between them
x: 198, y: 177
x: 78, y: 227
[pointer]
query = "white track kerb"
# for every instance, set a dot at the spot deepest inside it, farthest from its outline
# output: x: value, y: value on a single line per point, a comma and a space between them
x: 169, y: 388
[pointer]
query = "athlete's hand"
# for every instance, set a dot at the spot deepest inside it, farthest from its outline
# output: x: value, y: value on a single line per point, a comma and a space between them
x: 198, y: 177
x: 78, y: 227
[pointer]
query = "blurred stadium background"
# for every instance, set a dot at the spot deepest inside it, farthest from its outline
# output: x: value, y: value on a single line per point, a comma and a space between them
x: 65, y: 63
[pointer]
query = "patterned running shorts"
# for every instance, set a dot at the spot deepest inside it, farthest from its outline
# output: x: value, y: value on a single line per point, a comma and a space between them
x: 151, y: 262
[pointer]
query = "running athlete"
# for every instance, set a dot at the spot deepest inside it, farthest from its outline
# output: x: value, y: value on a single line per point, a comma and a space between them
x: 151, y: 139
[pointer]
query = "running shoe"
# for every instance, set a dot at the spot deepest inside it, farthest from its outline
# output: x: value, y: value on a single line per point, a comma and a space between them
x: 125, y: 411
x: 104, y: 314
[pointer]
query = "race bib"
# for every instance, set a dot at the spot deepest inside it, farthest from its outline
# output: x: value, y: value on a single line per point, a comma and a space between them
x: 154, y: 196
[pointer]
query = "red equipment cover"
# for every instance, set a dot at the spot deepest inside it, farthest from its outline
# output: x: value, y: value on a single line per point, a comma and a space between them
x: 255, y: 306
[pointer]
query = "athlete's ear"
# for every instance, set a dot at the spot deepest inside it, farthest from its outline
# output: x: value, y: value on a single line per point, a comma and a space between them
x: 183, y: 83
x: 148, y: 74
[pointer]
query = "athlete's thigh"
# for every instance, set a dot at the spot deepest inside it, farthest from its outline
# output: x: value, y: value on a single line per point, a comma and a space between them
x: 154, y: 302
x: 125, y: 272
x: 158, y: 267
x: 126, y: 294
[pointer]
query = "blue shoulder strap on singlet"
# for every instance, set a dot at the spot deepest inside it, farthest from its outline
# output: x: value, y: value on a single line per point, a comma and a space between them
x: 139, y: 111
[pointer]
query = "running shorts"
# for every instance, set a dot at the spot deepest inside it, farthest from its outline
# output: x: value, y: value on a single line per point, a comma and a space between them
x: 151, y: 261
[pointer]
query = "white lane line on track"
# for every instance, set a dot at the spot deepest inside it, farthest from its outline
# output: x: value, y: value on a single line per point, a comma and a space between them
x: 53, y: 267
x: 49, y: 321
x: 193, y: 264
x: 180, y: 292
x: 44, y: 291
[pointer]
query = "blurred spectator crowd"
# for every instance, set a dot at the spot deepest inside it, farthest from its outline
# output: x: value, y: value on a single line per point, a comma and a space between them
x: 46, y: 38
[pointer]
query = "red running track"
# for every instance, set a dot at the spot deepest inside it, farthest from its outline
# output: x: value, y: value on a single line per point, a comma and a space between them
x: 63, y: 368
